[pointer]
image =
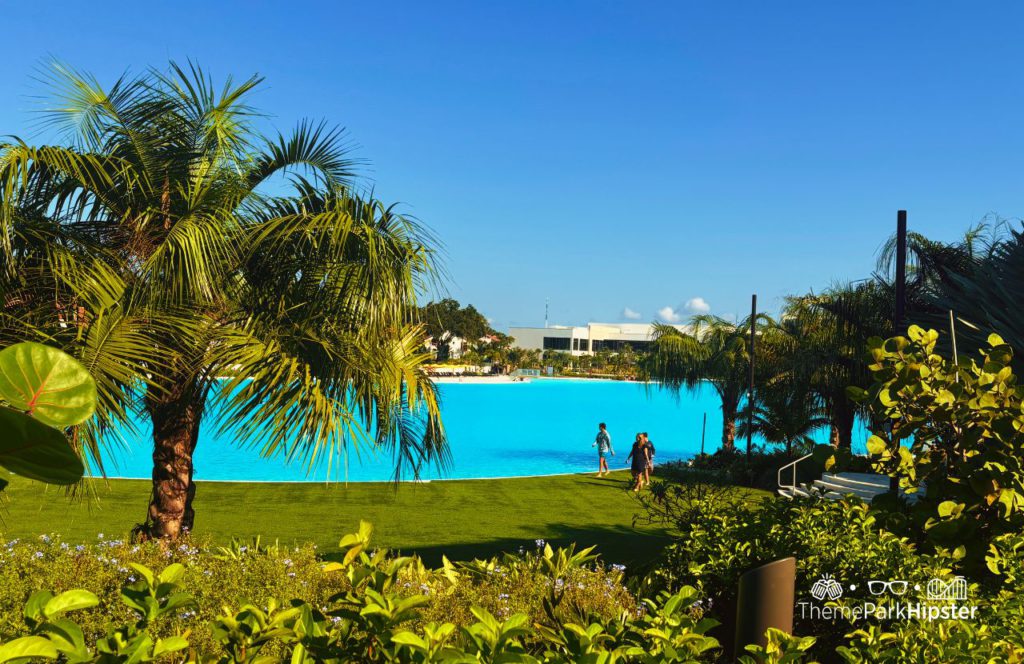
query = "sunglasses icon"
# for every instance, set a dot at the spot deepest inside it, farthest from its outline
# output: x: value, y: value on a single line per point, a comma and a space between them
x: 879, y: 587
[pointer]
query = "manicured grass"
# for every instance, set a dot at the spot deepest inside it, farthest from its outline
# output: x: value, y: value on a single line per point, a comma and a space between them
x: 461, y: 519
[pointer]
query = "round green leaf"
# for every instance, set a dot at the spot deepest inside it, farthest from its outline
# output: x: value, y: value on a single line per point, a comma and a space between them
x: 31, y: 449
x: 70, y: 600
x: 47, y: 383
x: 28, y: 646
x: 876, y: 446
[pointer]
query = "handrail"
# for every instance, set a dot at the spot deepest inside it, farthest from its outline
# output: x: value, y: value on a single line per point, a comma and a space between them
x: 793, y: 465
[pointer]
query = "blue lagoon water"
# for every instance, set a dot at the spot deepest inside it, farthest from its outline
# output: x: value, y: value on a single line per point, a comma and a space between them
x: 543, y: 426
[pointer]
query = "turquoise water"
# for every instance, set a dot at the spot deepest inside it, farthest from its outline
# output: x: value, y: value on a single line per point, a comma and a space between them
x: 495, y: 430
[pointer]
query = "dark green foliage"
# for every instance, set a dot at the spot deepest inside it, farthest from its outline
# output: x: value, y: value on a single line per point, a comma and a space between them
x: 720, y: 540
x: 987, y: 296
x: 955, y: 436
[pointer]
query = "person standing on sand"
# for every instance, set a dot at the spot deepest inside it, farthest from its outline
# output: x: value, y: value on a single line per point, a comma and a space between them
x: 640, y: 457
x: 603, y: 442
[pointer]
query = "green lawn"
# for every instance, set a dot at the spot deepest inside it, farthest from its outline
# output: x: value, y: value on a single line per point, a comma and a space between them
x: 460, y: 519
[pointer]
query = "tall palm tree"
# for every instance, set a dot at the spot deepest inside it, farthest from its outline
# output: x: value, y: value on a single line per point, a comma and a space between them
x: 987, y: 298
x: 211, y: 276
x: 829, y: 333
x: 715, y: 351
x: 783, y: 417
x: 932, y: 265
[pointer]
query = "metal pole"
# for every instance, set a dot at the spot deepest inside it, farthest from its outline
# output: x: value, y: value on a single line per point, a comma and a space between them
x: 703, y: 432
x: 901, y: 295
x: 766, y: 599
x: 750, y: 387
x: 901, y: 272
x: 952, y: 334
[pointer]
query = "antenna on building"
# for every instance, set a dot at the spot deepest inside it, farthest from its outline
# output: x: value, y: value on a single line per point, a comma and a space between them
x: 546, y: 305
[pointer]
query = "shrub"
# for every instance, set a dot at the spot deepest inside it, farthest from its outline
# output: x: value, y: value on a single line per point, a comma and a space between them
x: 717, y: 542
x: 258, y: 575
x: 371, y: 618
x: 761, y: 472
x: 956, y: 431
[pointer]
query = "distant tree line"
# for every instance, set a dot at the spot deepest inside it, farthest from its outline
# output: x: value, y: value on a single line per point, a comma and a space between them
x: 815, y: 349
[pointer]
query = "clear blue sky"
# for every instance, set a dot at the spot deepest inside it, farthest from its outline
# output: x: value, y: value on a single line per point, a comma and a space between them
x: 612, y: 155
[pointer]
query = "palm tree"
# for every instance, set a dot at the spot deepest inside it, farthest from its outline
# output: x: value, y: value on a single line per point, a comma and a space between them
x: 987, y: 298
x: 932, y: 266
x: 524, y: 358
x: 714, y: 351
x: 625, y: 359
x: 828, y: 335
x: 783, y: 417
x: 209, y: 275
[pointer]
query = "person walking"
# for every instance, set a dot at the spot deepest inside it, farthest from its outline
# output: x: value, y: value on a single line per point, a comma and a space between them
x: 603, y: 442
x: 650, y: 458
x: 640, y: 457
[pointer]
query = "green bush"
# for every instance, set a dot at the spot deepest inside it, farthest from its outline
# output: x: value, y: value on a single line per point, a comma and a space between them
x: 257, y: 575
x: 761, y: 471
x: 956, y: 437
x: 717, y: 541
x: 371, y: 615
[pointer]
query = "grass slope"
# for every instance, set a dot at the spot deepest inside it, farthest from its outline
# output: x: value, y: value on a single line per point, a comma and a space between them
x: 460, y: 519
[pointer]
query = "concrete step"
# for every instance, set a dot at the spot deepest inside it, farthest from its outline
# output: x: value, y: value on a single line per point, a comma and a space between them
x: 867, y: 480
x: 841, y: 489
x: 791, y: 492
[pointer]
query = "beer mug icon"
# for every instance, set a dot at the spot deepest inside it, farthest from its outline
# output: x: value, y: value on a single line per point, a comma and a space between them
x: 826, y: 588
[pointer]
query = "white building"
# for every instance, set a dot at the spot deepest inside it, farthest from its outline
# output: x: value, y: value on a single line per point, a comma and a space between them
x: 586, y: 340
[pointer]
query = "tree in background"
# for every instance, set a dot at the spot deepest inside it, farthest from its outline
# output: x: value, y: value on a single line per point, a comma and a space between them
x: 783, y: 417
x: 827, y: 334
x: 524, y: 358
x: 202, y: 271
x: 445, y: 320
x: 493, y: 352
x: 715, y: 351
x: 558, y: 360
x: 988, y: 297
x: 625, y: 360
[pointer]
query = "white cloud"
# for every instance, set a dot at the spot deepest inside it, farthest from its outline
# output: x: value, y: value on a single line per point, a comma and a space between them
x: 697, y: 305
x: 669, y: 315
x: 629, y: 314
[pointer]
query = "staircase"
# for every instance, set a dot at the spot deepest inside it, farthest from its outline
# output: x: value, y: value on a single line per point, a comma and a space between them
x: 833, y: 486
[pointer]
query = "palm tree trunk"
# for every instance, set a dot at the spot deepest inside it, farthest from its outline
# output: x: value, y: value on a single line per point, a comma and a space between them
x: 841, y: 434
x: 176, y: 417
x: 728, y: 428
